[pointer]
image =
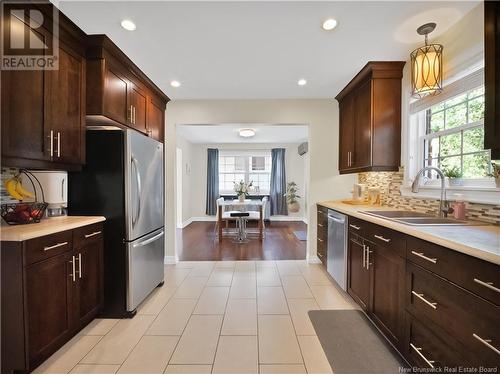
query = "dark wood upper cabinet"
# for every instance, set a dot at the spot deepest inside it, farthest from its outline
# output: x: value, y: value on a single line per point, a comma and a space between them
x: 370, y: 119
x: 492, y: 77
x: 42, y: 111
x: 119, y: 93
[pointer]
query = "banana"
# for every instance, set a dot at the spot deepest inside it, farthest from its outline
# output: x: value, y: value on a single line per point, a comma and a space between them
x: 22, y: 191
x: 10, y: 186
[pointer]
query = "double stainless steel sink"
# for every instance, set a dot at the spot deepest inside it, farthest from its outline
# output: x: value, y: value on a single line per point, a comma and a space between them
x: 417, y: 219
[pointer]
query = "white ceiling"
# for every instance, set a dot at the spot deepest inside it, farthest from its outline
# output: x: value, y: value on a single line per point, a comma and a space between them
x: 228, y: 133
x: 258, y: 50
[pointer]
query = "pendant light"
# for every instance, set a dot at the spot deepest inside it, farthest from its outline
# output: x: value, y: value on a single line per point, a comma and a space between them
x: 427, y: 66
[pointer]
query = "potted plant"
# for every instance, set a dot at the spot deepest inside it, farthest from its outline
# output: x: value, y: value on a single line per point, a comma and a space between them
x: 495, y: 173
x: 242, y: 190
x: 454, y: 176
x: 291, y: 197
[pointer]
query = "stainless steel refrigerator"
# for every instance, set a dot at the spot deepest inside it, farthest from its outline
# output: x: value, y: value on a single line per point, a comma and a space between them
x: 123, y: 180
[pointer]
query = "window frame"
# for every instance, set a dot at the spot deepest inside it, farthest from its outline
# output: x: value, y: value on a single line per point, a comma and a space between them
x: 246, y: 154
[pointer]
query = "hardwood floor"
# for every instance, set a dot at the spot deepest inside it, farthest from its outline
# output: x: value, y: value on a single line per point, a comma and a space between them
x: 198, y: 243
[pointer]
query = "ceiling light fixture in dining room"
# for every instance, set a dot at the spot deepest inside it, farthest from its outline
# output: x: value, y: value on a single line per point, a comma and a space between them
x: 427, y: 66
x: 247, y: 133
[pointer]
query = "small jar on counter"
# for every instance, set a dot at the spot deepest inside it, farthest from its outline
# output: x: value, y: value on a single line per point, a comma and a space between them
x: 459, y: 207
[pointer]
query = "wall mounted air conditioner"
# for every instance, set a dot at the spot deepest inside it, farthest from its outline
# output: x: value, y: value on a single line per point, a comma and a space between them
x: 303, y: 148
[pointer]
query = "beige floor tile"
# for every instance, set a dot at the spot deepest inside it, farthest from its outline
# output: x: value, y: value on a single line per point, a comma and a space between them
x: 315, y: 275
x: 174, y: 276
x: 244, y: 267
x: 221, y: 277
x: 202, y: 269
x: 150, y: 355
x: 225, y: 264
x: 99, y: 326
x: 288, y: 268
x: 185, y: 264
x: 271, y: 300
x: 296, y: 287
x: 95, y: 369
x: 282, y: 369
x: 188, y: 369
x: 198, y: 343
x: 329, y: 297
x: 240, y: 317
x: 268, y: 276
x: 155, y: 302
x: 117, y: 344
x: 173, y: 318
x: 191, y: 288
x: 69, y: 355
x: 299, y: 309
x: 277, y: 341
x: 236, y: 355
x: 243, y: 287
x: 314, y: 356
x: 265, y: 264
x: 212, y: 301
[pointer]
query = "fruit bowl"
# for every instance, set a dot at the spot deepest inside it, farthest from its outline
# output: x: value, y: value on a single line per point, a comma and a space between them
x: 23, y: 213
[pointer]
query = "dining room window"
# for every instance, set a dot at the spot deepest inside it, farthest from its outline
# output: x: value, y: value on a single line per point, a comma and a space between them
x: 246, y: 166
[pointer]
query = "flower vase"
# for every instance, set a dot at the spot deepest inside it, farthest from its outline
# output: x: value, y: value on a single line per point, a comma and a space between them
x: 241, y: 198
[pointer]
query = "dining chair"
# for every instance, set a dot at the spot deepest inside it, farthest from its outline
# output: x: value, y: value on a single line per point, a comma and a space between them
x: 226, y: 216
x: 255, y: 216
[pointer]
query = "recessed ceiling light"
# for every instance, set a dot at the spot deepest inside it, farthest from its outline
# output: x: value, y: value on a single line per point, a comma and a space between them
x: 128, y: 25
x: 175, y: 84
x: 329, y: 24
x: 247, y: 133
x: 301, y: 82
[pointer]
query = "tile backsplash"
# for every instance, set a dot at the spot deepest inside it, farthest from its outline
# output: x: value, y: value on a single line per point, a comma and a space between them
x: 391, y: 182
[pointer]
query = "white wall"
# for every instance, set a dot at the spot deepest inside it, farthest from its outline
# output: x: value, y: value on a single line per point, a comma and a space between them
x: 194, y: 191
x: 320, y: 115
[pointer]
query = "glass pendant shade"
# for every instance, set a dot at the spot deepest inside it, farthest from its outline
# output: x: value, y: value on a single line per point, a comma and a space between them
x: 427, y: 70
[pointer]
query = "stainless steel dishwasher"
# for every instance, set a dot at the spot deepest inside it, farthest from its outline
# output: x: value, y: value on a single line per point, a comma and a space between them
x: 336, y: 259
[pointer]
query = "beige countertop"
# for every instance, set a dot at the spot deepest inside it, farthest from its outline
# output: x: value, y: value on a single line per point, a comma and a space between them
x: 19, y: 233
x: 479, y: 241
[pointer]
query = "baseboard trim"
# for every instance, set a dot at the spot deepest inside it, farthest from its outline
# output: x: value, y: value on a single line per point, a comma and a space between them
x: 171, y: 260
x: 286, y: 218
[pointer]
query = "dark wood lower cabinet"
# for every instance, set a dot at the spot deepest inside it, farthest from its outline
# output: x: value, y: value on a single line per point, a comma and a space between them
x: 51, y: 288
x: 358, y: 276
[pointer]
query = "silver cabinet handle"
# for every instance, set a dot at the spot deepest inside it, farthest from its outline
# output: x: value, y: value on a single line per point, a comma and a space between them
x: 79, y: 265
x: 131, y: 118
x: 487, y: 285
x: 320, y: 225
x: 319, y: 254
x: 382, y: 238
x: 135, y: 115
x: 421, y: 255
x: 58, y: 144
x: 486, y: 342
x: 51, y: 138
x: 421, y: 297
x: 418, y: 350
x: 368, y: 263
x: 73, y: 274
x: 320, y: 240
x: 349, y: 159
x: 92, y: 234
x: 354, y: 227
x: 364, y: 255
x: 55, y: 246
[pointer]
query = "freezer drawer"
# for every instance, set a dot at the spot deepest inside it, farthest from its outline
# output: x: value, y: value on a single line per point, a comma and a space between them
x: 145, y: 270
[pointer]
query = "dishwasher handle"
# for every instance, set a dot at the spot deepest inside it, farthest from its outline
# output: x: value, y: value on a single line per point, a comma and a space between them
x: 338, y: 220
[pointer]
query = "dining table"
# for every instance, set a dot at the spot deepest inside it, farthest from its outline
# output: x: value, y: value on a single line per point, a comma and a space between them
x: 242, y: 206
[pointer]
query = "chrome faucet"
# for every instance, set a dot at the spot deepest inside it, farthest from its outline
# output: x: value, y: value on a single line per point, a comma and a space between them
x: 444, y: 209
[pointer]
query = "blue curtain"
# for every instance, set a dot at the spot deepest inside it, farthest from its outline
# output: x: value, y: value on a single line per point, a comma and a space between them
x: 278, y: 183
x: 212, y: 181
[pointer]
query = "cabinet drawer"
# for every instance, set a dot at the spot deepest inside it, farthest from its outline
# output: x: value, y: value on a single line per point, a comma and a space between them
x: 86, y: 235
x: 357, y: 226
x: 425, y: 348
x: 322, y: 216
x: 466, y: 317
x: 39, y: 249
x: 386, y: 237
x: 478, y: 276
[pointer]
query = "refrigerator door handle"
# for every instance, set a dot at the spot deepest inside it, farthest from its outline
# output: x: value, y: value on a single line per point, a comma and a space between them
x: 148, y: 241
x: 139, y: 190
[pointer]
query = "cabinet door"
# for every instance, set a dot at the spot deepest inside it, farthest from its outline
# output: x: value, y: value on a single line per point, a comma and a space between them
x: 346, y: 132
x: 362, y: 126
x: 22, y: 111
x: 387, y: 302
x: 65, y: 107
x: 89, y: 260
x: 156, y: 119
x: 137, y: 100
x: 115, y: 95
x: 358, y: 283
x: 49, y: 293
